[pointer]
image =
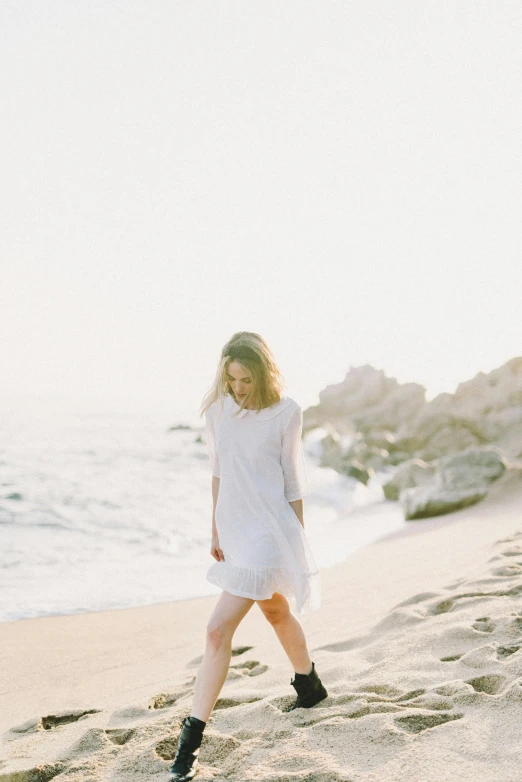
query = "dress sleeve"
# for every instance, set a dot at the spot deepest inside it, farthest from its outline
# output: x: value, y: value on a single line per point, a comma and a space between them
x: 210, y: 438
x: 292, y: 458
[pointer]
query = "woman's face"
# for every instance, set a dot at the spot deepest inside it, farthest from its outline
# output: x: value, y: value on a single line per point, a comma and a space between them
x: 239, y: 380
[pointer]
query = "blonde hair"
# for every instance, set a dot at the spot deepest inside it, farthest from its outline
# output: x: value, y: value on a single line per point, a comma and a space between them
x: 252, y: 352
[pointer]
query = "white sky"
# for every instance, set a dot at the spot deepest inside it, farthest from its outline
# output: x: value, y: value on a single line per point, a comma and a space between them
x: 342, y: 177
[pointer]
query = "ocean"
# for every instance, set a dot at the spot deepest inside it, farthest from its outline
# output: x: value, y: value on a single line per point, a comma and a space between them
x: 114, y: 511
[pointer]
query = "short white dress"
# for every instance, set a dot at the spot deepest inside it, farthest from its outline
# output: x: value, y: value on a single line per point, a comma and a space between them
x: 258, y: 457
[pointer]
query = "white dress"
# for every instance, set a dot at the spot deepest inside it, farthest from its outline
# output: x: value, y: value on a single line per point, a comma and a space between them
x: 258, y: 457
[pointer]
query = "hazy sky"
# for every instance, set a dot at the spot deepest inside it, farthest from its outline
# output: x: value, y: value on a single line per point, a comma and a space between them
x: 342, y: 177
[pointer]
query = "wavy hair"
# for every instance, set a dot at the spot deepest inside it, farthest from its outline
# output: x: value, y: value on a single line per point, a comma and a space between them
x: 252, y: 352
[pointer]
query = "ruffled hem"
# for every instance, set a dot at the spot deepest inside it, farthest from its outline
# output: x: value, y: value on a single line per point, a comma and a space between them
x: 303, y: 590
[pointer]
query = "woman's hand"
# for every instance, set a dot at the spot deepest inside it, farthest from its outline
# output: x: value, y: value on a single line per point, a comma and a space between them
x: 214, y: 548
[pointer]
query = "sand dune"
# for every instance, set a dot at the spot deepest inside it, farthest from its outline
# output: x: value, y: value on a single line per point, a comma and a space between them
x: 419, y: 643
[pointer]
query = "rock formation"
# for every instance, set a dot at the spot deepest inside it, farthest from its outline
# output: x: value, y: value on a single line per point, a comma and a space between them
x: 373, y: 423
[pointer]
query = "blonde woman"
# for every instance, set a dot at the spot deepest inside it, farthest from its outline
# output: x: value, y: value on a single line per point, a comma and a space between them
x: 254, y: 438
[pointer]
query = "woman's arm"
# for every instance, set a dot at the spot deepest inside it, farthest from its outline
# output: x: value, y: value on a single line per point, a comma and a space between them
x: 210, y: 436
x: 215, y: 549
x: 292, y: 462
x: 297, y: 505
x: 215, y: 492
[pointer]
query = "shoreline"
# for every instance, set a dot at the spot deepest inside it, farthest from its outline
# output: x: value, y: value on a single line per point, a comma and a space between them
x: 356, y: 515
x: 382, y: 597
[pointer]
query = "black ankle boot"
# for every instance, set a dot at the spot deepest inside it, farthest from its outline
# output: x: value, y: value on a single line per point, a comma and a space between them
x: 310, y: 689
x: 186, y: 758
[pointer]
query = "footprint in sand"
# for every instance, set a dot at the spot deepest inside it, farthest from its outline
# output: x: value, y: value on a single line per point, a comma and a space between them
x: 420, y: 698
x: 240, y: 669
x: 372, y: 699
x: 484, y: 625
x: 282, y: 702
x: 511, y: 570
x: 236, y: 651
x: 246, y: 668
x: 491, y: 684
x: 237, y: 700
x: 416, y: 723
x: 513, y: 551
x: 442, y: 607
x: 53, y: 720
x: 166, y: 699
x: 41, y: 773
x: 120, y: 736
x: 450, y: 603
x: 214, y: 748
x: 510, y: 538
x: 514, y: 627
x: 506, y: 651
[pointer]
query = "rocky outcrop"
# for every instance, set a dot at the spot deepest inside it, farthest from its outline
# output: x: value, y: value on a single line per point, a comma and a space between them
x: 457, y: 480
x: 484, y: 410
x: 409, y: 474
x: 427, y: 501
x: 366, y: 401
x: 373, y: 423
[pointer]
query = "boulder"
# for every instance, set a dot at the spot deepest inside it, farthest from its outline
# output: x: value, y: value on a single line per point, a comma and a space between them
x: 355, y: 469
x: 459, y: 479
x: 423, y: 502
x: 345, y: 459
x: 411, y: 473
x: 471, y: 467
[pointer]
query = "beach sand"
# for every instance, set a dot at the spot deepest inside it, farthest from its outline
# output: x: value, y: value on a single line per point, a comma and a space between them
x: 418, y: 641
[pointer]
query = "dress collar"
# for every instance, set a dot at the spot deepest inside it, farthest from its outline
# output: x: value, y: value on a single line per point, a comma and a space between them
x: 263, y: 415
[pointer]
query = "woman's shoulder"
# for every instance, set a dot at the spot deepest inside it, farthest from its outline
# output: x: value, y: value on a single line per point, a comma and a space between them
x: 215, y: 410
x: 293, y: 411
x: 281, y: 410
x: 292, y: 402
x: 290, y: 405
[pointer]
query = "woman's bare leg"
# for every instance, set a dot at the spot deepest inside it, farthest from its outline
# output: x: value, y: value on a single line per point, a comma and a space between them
x: 289, y: 631
x: 212, y: 672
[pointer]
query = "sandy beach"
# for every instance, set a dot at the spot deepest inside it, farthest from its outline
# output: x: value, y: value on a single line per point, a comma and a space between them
x: 261, y: 258
x: 418, y: 641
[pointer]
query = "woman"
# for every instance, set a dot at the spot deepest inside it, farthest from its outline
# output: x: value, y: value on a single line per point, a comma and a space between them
x: 253, y: 433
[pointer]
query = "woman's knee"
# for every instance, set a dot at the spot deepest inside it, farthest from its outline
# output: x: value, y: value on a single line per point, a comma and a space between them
x: 219, y: 633
x: 276, y: 609
x: 226, y: 616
